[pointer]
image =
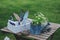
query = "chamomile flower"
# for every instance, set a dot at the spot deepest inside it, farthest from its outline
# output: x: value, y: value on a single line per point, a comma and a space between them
x: 37, y: 22
x: 41, y: 14
x: 44, y: 18
x: 38, y: 18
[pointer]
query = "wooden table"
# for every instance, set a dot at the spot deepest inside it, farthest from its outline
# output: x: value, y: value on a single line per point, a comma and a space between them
x: 43, y: 36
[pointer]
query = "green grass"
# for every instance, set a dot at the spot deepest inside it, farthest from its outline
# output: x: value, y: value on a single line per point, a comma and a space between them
x: 50, y: 8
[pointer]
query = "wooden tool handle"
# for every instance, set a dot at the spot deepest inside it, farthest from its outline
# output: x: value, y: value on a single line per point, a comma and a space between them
x: 16, y: 16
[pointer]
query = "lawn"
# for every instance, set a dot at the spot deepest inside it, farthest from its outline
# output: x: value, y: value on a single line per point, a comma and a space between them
x: 50, y: 8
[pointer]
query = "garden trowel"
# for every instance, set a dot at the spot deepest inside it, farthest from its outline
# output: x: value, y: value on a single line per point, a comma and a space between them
x: 17, y: 17
x: 25, y: 17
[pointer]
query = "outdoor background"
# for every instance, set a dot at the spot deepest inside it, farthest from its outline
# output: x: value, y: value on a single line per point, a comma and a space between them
x: 50, y: 8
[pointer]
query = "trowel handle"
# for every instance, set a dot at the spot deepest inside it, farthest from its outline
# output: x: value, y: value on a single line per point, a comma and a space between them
x: 17, y: 17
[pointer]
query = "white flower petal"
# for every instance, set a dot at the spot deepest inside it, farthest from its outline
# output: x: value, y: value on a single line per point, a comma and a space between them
x: 38, y: 18
x: 41, y: 14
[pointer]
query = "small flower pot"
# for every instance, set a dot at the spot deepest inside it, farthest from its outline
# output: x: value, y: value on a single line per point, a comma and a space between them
x: 36, y: 29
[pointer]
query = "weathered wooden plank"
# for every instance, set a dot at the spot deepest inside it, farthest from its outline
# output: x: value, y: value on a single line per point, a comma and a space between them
x: 32, y: 36
x: 6, y: 30
x: 43, y: 36
x: 53, y: 26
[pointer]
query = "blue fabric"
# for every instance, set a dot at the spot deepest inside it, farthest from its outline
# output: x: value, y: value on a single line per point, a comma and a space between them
x: 37, y: 29
x: 32, y: 29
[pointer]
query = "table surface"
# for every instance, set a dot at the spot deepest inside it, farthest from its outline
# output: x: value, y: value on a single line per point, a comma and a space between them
x: 43, y: 36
